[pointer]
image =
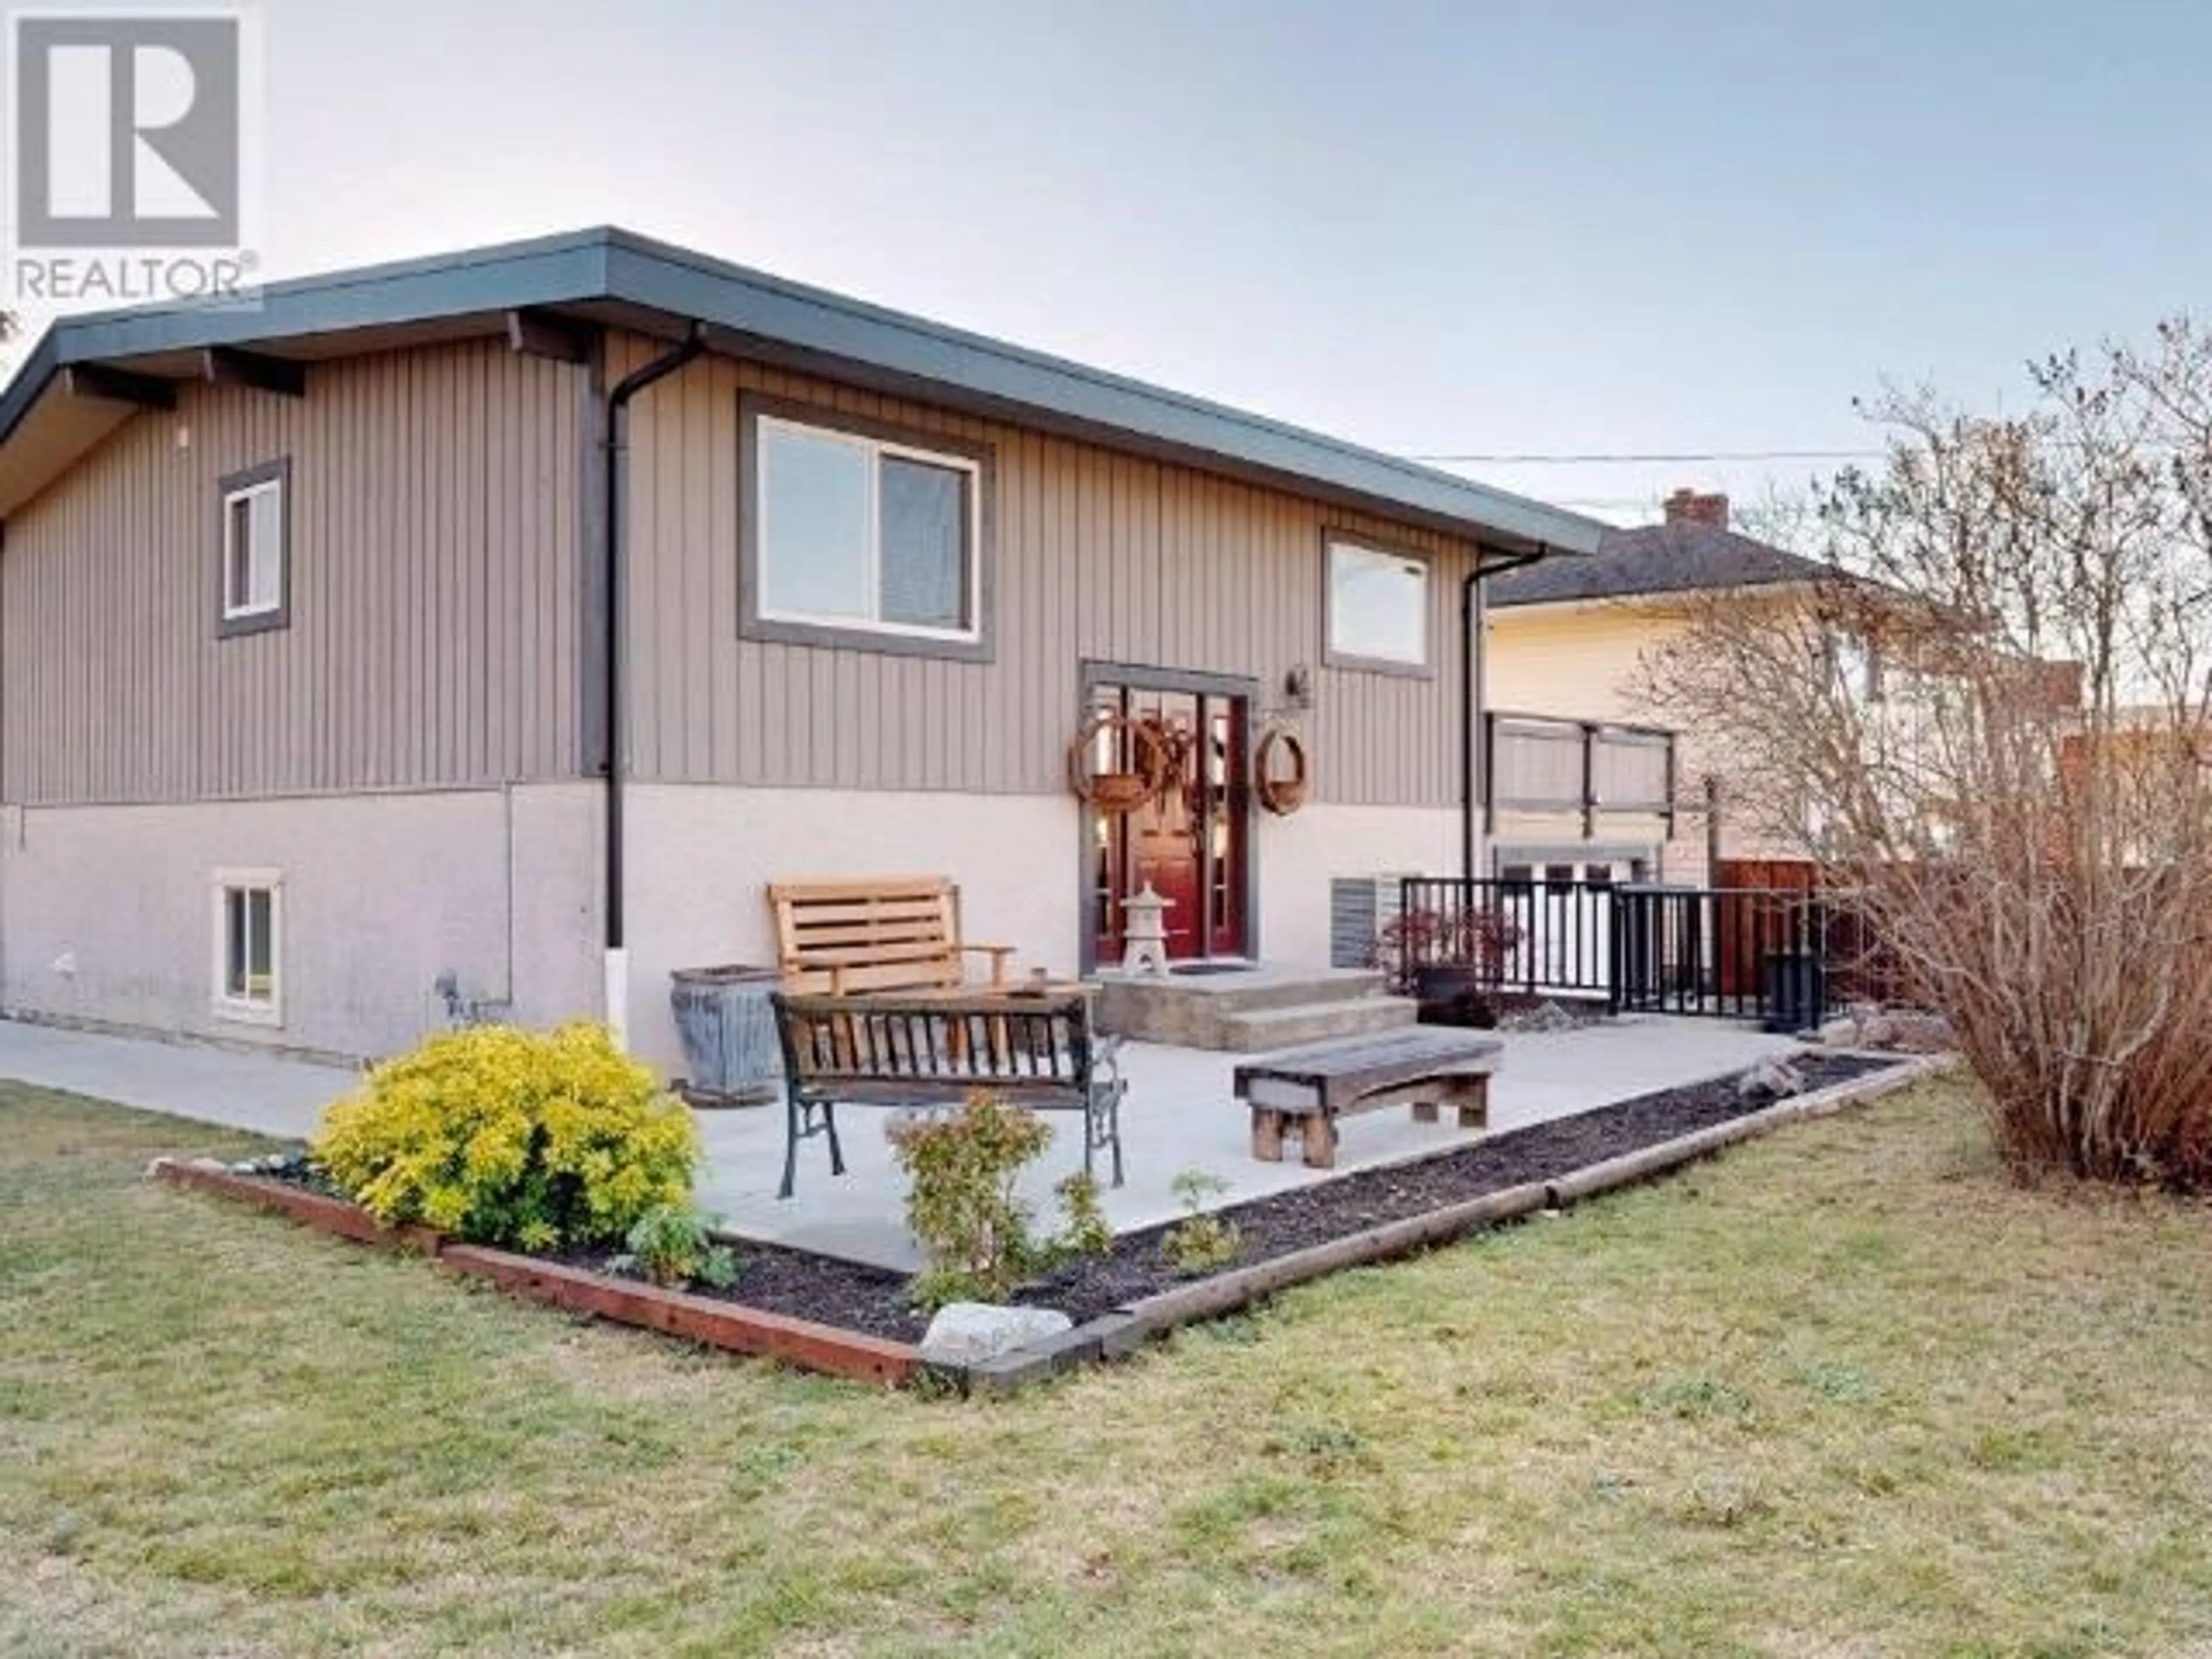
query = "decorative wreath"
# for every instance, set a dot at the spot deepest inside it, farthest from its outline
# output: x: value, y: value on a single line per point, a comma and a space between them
x: 1119, y: 792
x: 1281, y: 791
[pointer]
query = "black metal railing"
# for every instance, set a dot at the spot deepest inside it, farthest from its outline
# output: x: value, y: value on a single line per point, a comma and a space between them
x: 1731, y: 953
x: 1535, y: 938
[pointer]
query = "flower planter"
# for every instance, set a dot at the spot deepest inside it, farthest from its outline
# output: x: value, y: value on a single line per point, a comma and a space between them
x: 1456, y: 993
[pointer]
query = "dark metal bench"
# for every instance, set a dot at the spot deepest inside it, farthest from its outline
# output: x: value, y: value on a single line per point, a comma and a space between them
x: 906, y: 1049
x: 1304, y: 1091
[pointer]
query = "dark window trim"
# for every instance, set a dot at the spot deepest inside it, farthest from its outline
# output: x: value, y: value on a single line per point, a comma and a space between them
x: 1330, y: 656
x: 279, y: 472
x: 751, y: 625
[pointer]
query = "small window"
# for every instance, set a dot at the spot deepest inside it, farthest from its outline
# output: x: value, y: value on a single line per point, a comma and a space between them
x: 249, y: 929
x: 856, y: 531
x: 1378, y: 607
x: 255, y: 558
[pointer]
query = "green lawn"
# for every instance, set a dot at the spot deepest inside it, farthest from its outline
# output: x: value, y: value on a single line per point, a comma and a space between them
x: 1842, y: 1393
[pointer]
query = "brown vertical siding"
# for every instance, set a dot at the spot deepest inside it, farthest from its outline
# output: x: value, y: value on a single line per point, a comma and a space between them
x: 434, y: 600
x: 1099, y: 557
x: 436, y: 577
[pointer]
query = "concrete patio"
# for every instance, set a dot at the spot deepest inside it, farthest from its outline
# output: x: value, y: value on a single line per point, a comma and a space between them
x: 1180, y: 1114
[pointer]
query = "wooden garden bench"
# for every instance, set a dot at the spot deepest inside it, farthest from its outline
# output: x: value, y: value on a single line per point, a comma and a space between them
x: 921, y: 1049
x: 878, y: 934
x: 1304, y: 1091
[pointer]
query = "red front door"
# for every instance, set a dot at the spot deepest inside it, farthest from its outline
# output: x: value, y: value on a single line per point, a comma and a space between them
x: 1190, y: 842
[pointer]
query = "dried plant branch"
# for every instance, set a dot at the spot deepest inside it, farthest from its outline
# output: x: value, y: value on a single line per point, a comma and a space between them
x: 1991, y: 722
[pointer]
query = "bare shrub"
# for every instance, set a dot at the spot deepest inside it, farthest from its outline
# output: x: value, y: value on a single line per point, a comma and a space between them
x: 1991, y: 722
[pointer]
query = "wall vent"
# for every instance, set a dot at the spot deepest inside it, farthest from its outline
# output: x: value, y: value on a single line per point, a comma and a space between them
x: 1359, y: 908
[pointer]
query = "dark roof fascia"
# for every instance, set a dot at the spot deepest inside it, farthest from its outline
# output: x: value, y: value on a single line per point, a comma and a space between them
x: 37, y: 370
x: 1618, y: 595
x: 926, y: 354
x: 611, y: 266
x: 549, y: 271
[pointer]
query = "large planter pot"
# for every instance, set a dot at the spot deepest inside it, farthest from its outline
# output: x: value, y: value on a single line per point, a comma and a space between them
x: 1796, y: 990
x: 1455, y: 993
x: 730, y: 1052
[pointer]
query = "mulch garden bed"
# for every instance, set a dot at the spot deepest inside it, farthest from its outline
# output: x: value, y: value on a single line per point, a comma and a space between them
x: 842, y: 1315
x: 864, y: 1298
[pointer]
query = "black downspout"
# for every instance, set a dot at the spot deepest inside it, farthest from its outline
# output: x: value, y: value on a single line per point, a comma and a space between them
x: 1486, y: 564
x: 618, y: 445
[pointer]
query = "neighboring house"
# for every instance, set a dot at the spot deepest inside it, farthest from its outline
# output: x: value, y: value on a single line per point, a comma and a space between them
x: 1582, y: 791
x: 306, y: 686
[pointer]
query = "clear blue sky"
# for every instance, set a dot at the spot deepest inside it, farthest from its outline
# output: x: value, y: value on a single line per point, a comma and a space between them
x: 1431, y: 228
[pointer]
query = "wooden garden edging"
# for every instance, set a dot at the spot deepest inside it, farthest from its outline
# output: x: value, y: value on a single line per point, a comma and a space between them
x: 1130, y: 1327
x: 701, y: 1319
x: 865, y: 1359
x: 317, y: 1210
x: 1646, y: 1162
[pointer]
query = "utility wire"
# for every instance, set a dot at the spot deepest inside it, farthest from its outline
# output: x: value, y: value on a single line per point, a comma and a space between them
x: 1656, y: 458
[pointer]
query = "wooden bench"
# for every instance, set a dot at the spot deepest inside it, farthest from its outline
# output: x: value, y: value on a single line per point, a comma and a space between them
x: 1304, y: 1091
x: 880, y: 934
x: 1039, y: 1052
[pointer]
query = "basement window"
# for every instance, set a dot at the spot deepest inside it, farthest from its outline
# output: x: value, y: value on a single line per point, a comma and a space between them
x: 1378, y: 608
x: 256, y: 558
x: 859, y: 534
x: 249, y: 941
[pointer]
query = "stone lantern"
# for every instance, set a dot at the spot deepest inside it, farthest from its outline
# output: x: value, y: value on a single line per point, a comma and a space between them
x: 1144, y: 932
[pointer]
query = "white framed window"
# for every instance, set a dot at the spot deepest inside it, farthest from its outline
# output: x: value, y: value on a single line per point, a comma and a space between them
x: 256, y: 559
x: 1378, y: 607
x: 249, y: 945
x: 852, y: 531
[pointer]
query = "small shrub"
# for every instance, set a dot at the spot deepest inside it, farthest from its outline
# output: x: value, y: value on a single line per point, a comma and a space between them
x: 1087, y: 1231
x: 513, y: 1138
x: 670, y: 1245
x: 1200, y: 1243
x: 1476, y: 936
x: 978, y: 1236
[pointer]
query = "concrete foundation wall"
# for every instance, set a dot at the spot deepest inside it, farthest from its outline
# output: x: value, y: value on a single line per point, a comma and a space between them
x: 107, y: 913
x: 1300, y: 855
x: 701, y: 857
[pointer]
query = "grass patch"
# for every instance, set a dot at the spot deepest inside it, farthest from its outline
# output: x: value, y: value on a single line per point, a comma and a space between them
x: 1841, y: 1392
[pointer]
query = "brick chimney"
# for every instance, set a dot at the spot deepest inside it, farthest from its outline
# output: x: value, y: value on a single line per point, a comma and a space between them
x: 1688, y: 506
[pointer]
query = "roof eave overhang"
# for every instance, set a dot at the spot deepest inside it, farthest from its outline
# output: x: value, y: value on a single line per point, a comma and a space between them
x: 610, y: 276
x: 1661, y: 599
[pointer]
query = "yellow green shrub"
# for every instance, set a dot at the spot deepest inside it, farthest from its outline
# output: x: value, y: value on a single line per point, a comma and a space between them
x: 511, y: 1137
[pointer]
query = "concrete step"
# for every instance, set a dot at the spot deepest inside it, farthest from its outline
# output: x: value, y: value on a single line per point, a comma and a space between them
x: 1255, y: 1031
x: 1273, y: 988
